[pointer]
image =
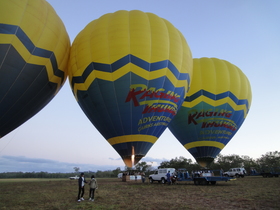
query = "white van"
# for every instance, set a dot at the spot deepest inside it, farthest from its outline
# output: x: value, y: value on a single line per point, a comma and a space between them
x: 160, y: 175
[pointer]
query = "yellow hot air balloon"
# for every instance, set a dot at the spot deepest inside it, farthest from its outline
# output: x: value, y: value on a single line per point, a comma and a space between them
x: 215, y: 107
x: 34, y: 52
x: 130, y: 72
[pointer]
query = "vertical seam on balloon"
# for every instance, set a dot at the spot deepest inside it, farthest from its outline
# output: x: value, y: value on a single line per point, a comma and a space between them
x: 110, y: 16
x: 1, y: 67
x: 130, y: 73
x: 51, y: 55
x: 149, y: 70
x: 14, y: 37
x: 167, y: 64
x: 168, y: 61
x: 225, y: 141
x: 213, y: 65
x: 34, y: 50
x: 241, y: 118
x: 201, y: 84
x: 62, y: 59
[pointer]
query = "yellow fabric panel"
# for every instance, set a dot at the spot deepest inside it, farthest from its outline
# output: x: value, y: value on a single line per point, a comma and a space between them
x: 196, y: 82
x: 25, y: 54
x: 218, y: 76
x: 175, y: 46
x: 132, y: 138
x: 36, y: 28
x: 11, y: 11
x: 216, y: 103
x: 204, y: 144
x: 8, y: 38
x: 246, y: 90
x: 159, y: 39
x: 222, y: 77
x: 44, y: 28
x: 140, y: 34
x: 115, y: 35
x: 210, y: 70
x: 187, y: 55
x: 124, y: 70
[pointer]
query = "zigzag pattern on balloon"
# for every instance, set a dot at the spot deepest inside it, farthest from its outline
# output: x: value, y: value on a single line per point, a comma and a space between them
x: 111, y: 72
x: 25, y: 47
x: 217, y: 99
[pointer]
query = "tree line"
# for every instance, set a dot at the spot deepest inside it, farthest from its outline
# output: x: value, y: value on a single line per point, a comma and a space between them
x: 267, y: 162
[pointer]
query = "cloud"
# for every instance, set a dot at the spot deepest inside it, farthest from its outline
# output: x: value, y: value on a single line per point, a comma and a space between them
x: 23, y: 159
x: 25, y: 164
x: 114, y: 158
x: 154, y: 161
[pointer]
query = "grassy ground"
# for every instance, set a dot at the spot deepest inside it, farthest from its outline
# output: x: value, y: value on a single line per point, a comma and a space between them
x: 244, y: 193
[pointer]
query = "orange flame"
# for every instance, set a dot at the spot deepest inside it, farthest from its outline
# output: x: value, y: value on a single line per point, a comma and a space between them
x: 132, y: 156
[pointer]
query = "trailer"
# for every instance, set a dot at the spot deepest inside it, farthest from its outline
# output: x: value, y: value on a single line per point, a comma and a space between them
x: 270, y: 172
x: 266, y: 172
x: 202, y: 177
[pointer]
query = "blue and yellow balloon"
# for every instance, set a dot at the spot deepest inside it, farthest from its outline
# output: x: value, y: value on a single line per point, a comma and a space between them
x: 34, y: 52
x: 130, y: 72
x: 214, y: 109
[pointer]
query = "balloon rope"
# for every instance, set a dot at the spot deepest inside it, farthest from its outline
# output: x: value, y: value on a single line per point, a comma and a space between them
x: 16, y: 131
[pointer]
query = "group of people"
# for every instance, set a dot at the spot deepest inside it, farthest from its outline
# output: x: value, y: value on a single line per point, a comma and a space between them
x: 135, y: 174
x: 171, y: 178
x: 143, y: 176
x: 93, y: 186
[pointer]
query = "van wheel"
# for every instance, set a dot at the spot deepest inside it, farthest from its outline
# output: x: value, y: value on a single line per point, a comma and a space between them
x: 151, y: 180
x: 237, y: 175
x: 213, y: 182
x: 163, y: 181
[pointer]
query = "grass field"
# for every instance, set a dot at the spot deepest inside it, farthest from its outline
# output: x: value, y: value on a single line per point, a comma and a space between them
x: 52, y: 194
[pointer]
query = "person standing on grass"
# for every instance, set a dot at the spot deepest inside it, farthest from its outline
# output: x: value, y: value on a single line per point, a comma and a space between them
x: 93, y: 187
x: 143, y: 177
x: 168, y: 177
x: 81, y: 183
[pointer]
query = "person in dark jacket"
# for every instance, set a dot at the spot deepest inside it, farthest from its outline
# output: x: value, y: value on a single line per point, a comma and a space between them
x: 81, y: 183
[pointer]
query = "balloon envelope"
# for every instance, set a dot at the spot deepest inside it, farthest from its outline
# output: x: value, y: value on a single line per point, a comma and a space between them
x: 34, y: 50
x: 214, y: 109
x: 130, y: 72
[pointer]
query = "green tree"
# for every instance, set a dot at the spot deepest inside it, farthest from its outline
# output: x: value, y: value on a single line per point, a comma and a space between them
x: 249, y: 163
x: 116, y: 171
x: 177, y: 163
x: 229, y: 161
x: 269, y: 160
x: 76, y: 169
x: 142, y: 166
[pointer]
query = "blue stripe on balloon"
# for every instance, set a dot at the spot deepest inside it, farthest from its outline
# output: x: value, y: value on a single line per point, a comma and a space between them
x: 217, y: 97
x: 134, y: 60
x: 202, y: 152
x: 28, y: 44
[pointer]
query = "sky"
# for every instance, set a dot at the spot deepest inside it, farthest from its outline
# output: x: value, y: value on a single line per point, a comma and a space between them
x: 245, y: 33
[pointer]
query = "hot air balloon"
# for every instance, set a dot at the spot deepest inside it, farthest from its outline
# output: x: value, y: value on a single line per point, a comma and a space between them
x: 214, y: 109
x: 34, y: 52
x: 130, y: 72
